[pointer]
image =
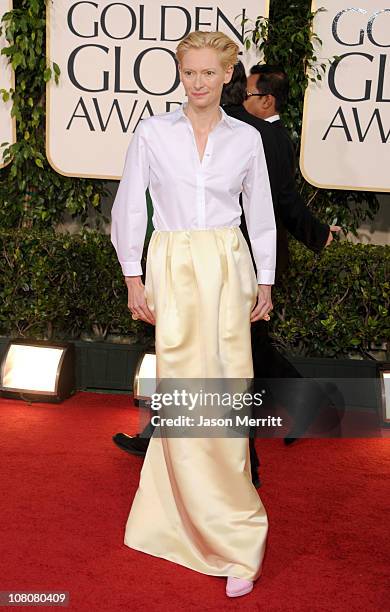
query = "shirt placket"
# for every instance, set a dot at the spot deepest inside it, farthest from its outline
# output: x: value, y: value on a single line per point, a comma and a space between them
x: 201, y: 183
x: 200, y: 178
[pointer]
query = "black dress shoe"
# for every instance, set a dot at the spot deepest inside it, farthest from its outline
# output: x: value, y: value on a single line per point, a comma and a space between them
x: 131, y: 444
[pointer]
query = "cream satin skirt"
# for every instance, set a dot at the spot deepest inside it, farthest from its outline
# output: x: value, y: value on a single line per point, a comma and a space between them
x: 196, y: 504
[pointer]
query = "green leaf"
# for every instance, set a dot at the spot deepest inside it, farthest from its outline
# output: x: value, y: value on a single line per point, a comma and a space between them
x: 47, y: 74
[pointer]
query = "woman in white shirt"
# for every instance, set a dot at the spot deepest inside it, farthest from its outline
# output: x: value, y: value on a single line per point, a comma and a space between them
x: 196, y: 504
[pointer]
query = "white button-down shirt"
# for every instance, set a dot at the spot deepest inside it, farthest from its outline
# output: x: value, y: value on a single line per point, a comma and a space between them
x: 190, y: 194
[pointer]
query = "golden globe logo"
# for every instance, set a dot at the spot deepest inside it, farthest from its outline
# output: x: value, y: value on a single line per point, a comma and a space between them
x: 346, y: 119
x: 128, y: 73
x: 118, y: 65
x: 378, y: 65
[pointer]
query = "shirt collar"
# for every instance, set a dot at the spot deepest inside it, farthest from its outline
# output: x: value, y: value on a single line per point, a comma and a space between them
x: 273, y: 118
x: 179, y: 114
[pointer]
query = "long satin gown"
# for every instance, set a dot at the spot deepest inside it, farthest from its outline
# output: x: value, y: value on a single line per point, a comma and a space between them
x: 196, y: 504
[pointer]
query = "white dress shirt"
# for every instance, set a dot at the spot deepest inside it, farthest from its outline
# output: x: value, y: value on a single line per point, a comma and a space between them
x: 190, y: 194
x: 273, y: 118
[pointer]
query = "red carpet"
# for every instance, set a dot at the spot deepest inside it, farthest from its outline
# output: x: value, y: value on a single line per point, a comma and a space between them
x: 66, y: 491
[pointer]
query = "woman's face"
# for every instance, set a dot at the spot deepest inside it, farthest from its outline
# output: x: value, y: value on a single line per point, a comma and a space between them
x: 203, y: 77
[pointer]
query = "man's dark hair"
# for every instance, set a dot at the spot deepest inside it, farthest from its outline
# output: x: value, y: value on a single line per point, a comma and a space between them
x: 272, y: 81
x: 234, y: 92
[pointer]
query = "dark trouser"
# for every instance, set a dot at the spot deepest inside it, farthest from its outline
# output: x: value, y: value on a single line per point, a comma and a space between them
x: 301, y: 398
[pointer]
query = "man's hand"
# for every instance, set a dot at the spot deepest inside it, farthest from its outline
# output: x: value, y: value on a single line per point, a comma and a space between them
x: 333, y: 228
x: 264, y: 304
x: 136, y: 301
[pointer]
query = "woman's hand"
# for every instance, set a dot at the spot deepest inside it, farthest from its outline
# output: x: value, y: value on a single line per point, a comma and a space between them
x: 264, y: 304
x: 136, y: 301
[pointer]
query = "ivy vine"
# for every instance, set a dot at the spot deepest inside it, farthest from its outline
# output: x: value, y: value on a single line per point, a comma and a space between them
x: 32, y: 194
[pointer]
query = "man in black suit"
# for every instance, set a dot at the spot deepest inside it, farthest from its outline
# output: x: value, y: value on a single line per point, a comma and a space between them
x: 261, y: 109
x: 271, y: 83
x: 267, y: 92
x: 292, y: 214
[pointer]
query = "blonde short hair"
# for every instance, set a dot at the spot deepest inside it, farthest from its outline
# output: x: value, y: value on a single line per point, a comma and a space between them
x: 226, y: 48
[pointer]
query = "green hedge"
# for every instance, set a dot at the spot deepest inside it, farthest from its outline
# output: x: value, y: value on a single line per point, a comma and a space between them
x: 335, y: 304
x: 63, y: 286
x: 68, y: 286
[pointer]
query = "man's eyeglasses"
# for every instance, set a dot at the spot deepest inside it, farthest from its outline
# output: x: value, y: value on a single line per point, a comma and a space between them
x: 249, y: 94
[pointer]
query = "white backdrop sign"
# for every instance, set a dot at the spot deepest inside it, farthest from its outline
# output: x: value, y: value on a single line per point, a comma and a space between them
x: 7, y: 81
x: 346, y: 123
x: 117, y: 66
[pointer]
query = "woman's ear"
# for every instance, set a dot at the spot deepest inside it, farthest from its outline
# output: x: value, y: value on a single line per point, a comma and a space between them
x: 228, y: 74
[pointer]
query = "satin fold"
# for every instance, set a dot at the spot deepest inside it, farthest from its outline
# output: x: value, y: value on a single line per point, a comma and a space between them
x: 196, y: 504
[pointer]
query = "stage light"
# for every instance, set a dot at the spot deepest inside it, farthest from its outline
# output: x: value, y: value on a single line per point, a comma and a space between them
x: 38, y: 370
x: 384, y: 378
x: 145, y: 379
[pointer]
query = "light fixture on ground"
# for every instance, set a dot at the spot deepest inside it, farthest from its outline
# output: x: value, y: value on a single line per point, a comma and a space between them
x: 144, y: 384
x: 384, y: 380
x: 37, y: 370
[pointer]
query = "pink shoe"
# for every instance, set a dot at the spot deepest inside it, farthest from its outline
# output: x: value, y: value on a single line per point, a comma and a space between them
x: 235, y: 587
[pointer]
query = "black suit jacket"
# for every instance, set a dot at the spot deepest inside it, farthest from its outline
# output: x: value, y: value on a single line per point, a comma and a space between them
x: 285, y: 144
x: 291, y: 212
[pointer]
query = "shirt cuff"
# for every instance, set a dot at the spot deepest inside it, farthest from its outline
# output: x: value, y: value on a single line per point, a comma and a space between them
x: 265, y: 277
x: 131, y: 268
